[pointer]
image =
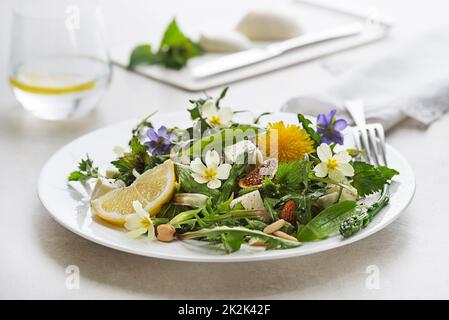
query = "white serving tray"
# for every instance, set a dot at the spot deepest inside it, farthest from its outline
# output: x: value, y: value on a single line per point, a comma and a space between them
x: 315, y: 15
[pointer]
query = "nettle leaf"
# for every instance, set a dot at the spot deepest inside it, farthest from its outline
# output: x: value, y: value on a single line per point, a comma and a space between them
x: 141, y: 55
x: 387, y: 172
x: 174, y: 50
x: 289, y: 175
x: 369, y: 179
x: 137, y: 159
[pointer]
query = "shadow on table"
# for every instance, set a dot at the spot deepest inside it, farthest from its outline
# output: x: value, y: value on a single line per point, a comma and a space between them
x: 156, y: 278
x: 16, y: 123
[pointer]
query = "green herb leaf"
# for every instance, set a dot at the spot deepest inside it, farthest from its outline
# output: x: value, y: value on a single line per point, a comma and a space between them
x: 232, y: 241
x: 269, y: 204
x: 86, y: 171
x: 145, y: 123
x: 176, y: 48
x: 142, y: 54
x: 327, y: 222
x: 289, y: 176
x: 387, y: 173
x: 222, y: 95
x: 272, y: 241
x: 306, y: 124
x: 230, y: 184
x: 257, y: 119
x: 369, y: 179
x: 138, y: 159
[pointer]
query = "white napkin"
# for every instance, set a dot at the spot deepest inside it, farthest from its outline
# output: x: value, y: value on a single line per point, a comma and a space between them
x: 411, y: 81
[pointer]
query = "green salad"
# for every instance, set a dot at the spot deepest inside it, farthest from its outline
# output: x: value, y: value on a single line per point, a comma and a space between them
x: 230, y: 184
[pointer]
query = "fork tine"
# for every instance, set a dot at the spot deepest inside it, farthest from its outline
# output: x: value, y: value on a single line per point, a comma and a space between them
x: 373, y: 140
x: 381, y: 134
x: 356, y: 137
x: 365, y: 144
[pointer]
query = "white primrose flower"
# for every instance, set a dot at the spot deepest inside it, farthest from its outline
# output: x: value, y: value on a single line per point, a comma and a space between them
x: 212, y: 172
x: 139, y: 223
x: 336, y: 166
x: 220, y: 118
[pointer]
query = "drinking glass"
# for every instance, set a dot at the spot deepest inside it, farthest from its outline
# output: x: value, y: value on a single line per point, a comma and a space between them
x: 59, y: 64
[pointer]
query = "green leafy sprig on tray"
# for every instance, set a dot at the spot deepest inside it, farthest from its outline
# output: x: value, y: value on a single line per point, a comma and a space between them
x: 174, y: 51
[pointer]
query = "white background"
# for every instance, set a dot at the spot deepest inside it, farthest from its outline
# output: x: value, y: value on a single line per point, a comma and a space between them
x: 412, y: 254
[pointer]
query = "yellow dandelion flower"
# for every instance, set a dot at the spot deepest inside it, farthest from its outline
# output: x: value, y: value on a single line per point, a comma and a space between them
x: 289, y: 142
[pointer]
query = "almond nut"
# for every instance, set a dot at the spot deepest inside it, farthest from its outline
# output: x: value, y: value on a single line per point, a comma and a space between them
x: 284, y: 236
x: 275, y: 226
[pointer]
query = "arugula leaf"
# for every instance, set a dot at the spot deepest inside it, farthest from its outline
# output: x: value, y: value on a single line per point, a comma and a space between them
x: 257, y: 119
x: 232, y: 241
x: 138, y: 159
x: 221, y: 96
x: 230, y: 183
x: 269, y: 204
x: 145, y: 123
x: 174, y: 50
x: 369, y: 179
x: 86, y: 171
x: 306, y: 124
x: 218, y: 232
x: 142, y: 54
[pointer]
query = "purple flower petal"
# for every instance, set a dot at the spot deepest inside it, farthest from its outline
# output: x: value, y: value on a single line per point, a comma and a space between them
x: 152, y: 134
x: 332, y: 115
x: 321, y: 120
x: 162, y: 131
x: 329, y: 128
x: 340, y: 124
x: 326, y: 140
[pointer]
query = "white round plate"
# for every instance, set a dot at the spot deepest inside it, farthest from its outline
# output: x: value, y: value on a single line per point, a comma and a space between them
x: 70, y: 208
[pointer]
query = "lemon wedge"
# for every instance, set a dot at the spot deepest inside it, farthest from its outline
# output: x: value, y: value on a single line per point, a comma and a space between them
x: 152, y: 189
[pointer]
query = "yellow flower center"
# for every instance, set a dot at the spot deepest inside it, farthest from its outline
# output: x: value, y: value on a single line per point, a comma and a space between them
x: 210, y: 174
x: 215, y: 120
x: 145, y: 223
x: 332, y: 164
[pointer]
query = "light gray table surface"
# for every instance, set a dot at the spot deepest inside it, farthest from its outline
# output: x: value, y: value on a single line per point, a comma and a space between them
x: 411, y: 254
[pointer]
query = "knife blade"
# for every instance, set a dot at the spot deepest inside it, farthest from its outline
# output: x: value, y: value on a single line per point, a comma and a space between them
x: 256, y: 55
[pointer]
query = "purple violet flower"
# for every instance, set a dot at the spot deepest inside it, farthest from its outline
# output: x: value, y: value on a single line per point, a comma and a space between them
x: 330, y: 128
x: 160, y: 141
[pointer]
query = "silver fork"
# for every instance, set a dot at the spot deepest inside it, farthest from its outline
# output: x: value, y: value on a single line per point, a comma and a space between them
x: 367, y: 137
